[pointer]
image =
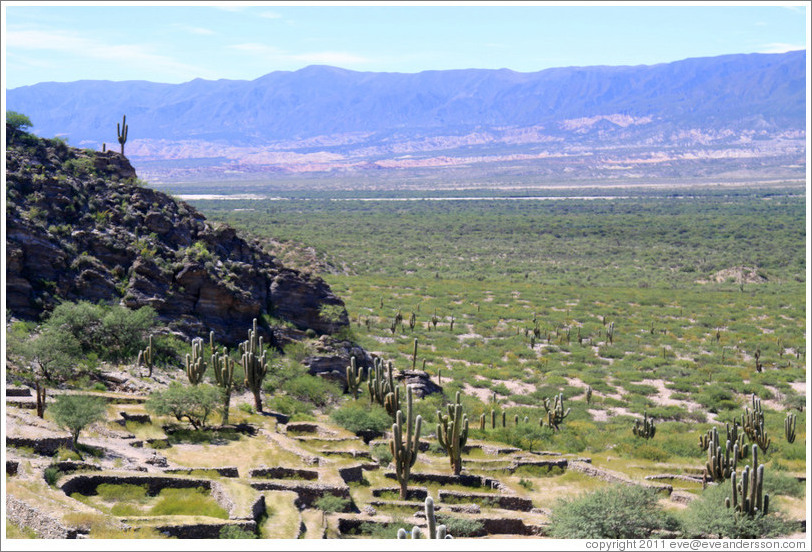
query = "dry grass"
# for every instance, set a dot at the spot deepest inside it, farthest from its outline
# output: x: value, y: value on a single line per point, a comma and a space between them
x: 245, y: 453
x: 284, y: 518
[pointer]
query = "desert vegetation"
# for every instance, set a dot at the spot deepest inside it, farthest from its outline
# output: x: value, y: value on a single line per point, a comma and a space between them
x: 640, y: 356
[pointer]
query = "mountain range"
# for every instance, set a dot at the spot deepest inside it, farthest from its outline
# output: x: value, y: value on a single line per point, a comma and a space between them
x: 322, y: 118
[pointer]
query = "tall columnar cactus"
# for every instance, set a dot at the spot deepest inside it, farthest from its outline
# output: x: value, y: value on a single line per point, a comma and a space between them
x: 753, y: 425
x: 223, y: 367
x: 588, y: 394
x: 435, y: 531
x: 146, y: 358
x: 482, y: 422
x: 254, y: 359
x: 720, y: 466
x: 404, y: 454
x: 644, y: 429
x: 414, y: 355
x: 122, y: 129
x: 195, y: 365
x: 452, y: 433
x: 748, y: 498
x: 40, y: 399
x: 354, y: 378
x: 382, y: 388
x: 789, y: 427
x: 556, y: 413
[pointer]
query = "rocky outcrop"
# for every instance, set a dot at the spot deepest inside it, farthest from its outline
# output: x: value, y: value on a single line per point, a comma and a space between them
x: 81, y: 226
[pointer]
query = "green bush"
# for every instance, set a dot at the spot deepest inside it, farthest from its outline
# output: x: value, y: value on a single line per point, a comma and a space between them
x: 312, y: 389
x: 382, y: 454
x: 355, y: 417
x: 75, y: 412
x: 195, y: 403
x: 332, y: 503
x: 51, y: 475
x: 122, y: 491
x: 460, y: 527
x: 616, y: 512
x: 708, y: 517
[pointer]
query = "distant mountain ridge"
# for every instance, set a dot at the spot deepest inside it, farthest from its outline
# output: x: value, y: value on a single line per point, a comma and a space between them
x: 337, y: 111
x: 321, y: 100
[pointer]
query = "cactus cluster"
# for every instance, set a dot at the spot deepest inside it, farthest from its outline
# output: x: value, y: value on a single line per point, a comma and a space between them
x: 644, y: 429
x: 452, y: 432
x: 789, y: 427
x: 748, y: 496
x: 753, y: 425
x: 382, y: 387
x: 404, y: 453
x: 195, y: 365
x: 556, y: 413
x: 435, y: 531
x: 720, y: 465
x: 146, y: 358
x: 254, y: 360
x: 354, y: 378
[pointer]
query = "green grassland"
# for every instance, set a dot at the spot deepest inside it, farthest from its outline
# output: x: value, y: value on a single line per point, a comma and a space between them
x: 552, y: 296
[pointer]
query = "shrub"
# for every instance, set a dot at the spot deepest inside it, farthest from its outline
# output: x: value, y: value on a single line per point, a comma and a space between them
x: 52, y: 474
x: 382, y: 454
x: 616, y: 512
x: 460, y: 527
x: 332, y: 503
x: 312, y: 389
x: 193, y: 402
x: 708, y: 517
x: 75, y: 412
x: 357, y: 417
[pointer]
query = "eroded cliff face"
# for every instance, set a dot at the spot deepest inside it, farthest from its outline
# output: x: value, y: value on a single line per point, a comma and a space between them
x: 80, y: 226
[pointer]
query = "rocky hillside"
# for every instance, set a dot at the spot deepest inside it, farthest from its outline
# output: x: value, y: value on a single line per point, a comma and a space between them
x: 81, y: 226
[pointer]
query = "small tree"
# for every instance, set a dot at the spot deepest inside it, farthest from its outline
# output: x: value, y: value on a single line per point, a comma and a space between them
x: 76, y: 412
x: 17, y: 122
x: 195, y: 403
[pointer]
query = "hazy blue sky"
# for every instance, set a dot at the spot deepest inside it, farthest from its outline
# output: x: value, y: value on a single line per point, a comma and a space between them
x: 179, y: 43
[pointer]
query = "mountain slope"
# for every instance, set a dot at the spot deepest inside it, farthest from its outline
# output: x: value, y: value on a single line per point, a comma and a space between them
x: 734, y: 91
x: 80, y: 226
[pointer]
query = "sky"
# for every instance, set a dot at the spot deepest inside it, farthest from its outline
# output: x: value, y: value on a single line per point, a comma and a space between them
x: 177, y: 42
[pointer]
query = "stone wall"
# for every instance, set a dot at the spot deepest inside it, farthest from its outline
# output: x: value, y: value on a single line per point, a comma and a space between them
x: 43, y: 524
x: 86, y: 484
x: 506, y: 502
x: 12, y: 466
x: 352, y: 474
x: 227, y: 471
x: 412, y: 493
x: 280, y: 472
x: 307, y: 493
x: 203, y: 530
x: 46, y: 446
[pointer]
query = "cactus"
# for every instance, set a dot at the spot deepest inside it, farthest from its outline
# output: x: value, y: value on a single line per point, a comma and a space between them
x: 146, y: 358
x: 493, y: 419
x: 589, y: 394
x: 435, y: 531
x: 414, y: 355
x: 382, y: 388
x: 556, y: 414
x: 452, y: 433
x: 753, y: 425
x: 482, y: 422
x: 412, y: 320
x: 748, y: 498
x: 789, y: 428
x: 122, y: 129
x: 354, y: 378
x: 644, y: 429
x: 720, y: 466
x: 195, y: 365
x: 434, y: 319
x: 254, y: 360
x: 515, y: 419
x: 405, y: 454
x: 40, y: 399
x: 224, y: 376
